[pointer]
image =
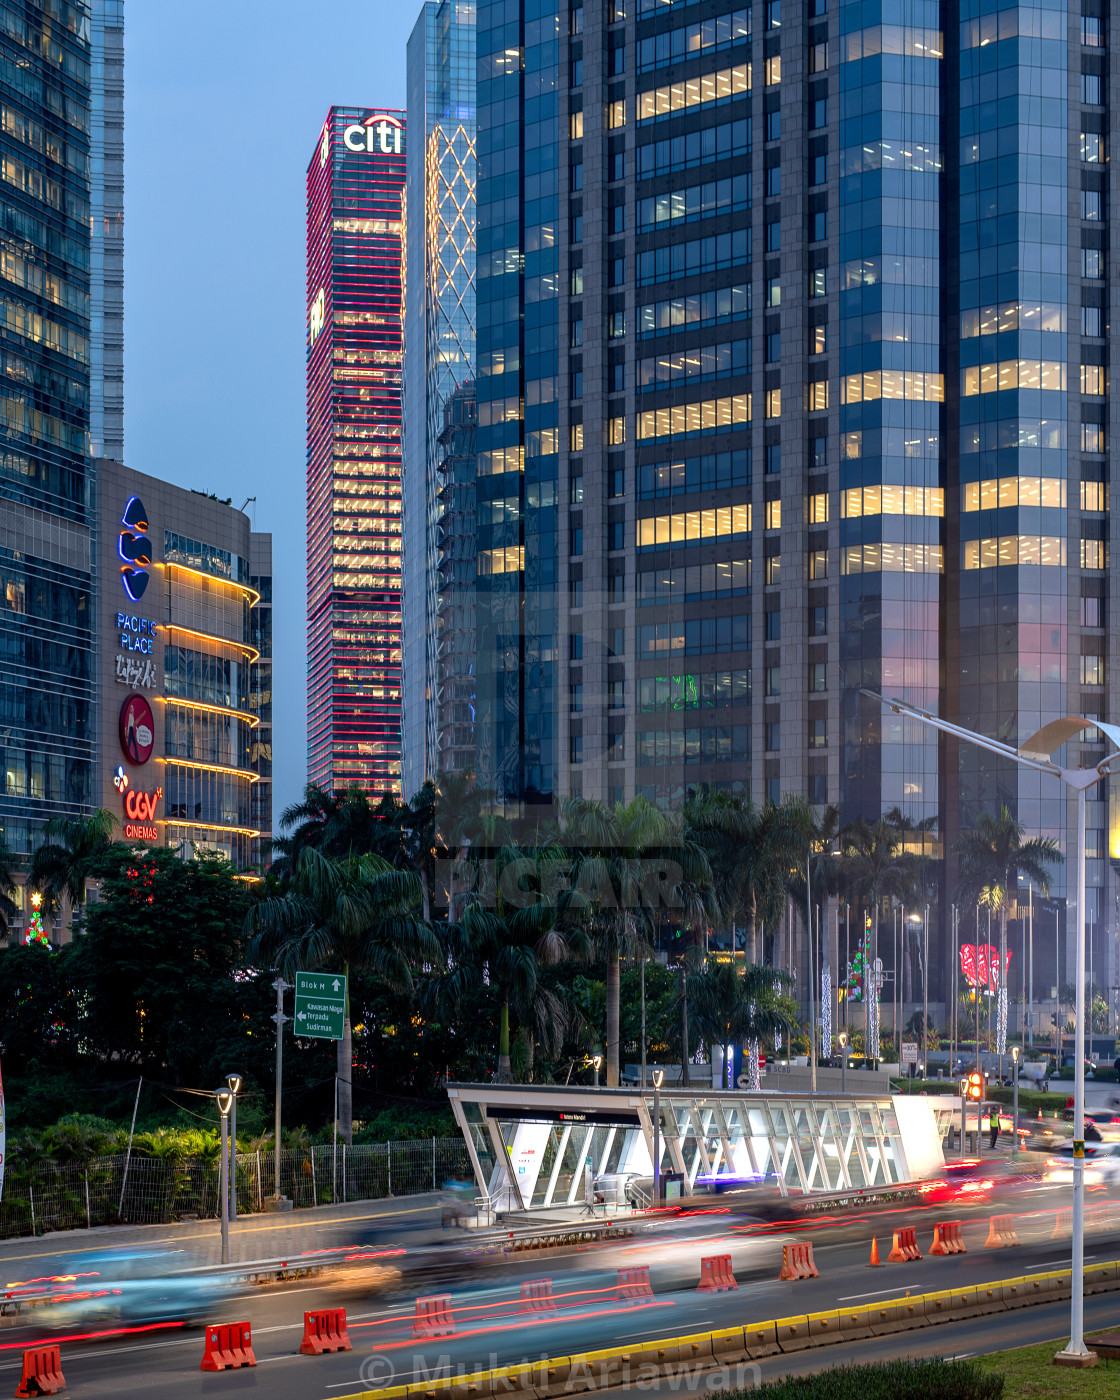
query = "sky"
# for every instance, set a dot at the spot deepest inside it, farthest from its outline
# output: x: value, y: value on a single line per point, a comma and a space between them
x: 223, y: 106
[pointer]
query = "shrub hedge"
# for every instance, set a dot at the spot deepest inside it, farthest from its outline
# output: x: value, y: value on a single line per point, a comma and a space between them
x: 918, y: 1379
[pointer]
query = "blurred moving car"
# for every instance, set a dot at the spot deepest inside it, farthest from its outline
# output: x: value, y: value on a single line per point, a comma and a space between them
x: 1102, y: 1165
x: 136, y: 1289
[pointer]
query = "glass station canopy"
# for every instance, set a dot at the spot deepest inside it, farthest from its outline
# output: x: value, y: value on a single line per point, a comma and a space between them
x: 531, y: 1144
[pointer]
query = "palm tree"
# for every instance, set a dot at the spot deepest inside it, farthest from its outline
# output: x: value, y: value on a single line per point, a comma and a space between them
x: 68, y: 857
x: 357, y: 911
x: 751, y: 850
x: 339, y: 824
x: 8, y: 860
x: 874, y: 867
x: 993, y: 857
x: 733, y: 1007
x: 509, y: 933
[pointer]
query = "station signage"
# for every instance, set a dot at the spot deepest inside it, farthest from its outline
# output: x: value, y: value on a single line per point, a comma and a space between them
x: 377, y: 134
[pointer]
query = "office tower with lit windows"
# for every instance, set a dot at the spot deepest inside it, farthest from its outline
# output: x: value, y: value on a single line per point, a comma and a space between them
x: 793, y: 341
x: 106, y: 143
x: 439, y: 344
x: 355, y: 229
x: 46, y: 583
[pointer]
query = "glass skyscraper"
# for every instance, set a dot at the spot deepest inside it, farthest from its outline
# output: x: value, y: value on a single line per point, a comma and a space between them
x: 106, y: 409
x: 439, y: 338
x: 792, y: 376
x: 46, y: 626
x: 355, y: 227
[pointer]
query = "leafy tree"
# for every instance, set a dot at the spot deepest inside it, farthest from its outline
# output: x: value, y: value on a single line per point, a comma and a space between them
x: 162, y: 970
x: 358, y: 912
x: 68, y: 856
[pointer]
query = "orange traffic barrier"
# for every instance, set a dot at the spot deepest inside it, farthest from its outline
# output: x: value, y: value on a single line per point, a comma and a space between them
x: 228, y: 1347
x: 536, y: 1297
x: 324, y: 1330
x: 1001, y: 1232
x: 947, y: 1238
x: 1063, y: 1225
x: 434, y: 1317
x: 42, y: 1372
x: 716, y: 1275
x: 905, y: 1246
x: 797, y: 1262
x: 633, y: 1284
x: 875, y: 1262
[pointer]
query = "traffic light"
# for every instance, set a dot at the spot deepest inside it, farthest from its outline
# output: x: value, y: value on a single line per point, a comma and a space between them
x: 977, y: 1083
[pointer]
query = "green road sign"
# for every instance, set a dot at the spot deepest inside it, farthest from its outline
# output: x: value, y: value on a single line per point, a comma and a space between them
x: 320, y: 1004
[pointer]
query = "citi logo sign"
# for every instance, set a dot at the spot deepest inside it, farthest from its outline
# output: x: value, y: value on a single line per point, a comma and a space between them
x: 135, y: 549
x: 377, y: 134
x: 317, y: 314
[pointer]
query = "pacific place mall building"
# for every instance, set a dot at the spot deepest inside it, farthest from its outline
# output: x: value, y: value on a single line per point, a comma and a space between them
x: 183, y: 645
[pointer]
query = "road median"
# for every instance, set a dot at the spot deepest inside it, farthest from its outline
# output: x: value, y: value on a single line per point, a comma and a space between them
x: 608, y: 1369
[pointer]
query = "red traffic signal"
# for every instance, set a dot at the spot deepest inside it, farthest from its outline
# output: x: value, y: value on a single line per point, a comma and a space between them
x: 976, y: 1085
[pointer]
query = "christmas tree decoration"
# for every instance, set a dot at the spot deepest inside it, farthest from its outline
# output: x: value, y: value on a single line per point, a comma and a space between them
x: 35, y: 931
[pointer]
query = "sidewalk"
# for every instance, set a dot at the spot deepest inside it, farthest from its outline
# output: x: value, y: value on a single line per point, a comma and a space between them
x: 251, y: 1237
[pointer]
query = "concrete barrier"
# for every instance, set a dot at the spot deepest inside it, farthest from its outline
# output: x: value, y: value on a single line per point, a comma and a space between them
x: 557, y: 1376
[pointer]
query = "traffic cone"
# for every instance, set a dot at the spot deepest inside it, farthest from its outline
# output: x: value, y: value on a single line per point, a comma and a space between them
x: 874, y: 1261
x: 1040, y: 1115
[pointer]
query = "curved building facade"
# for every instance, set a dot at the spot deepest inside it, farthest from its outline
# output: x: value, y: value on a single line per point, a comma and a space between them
x: 178, y: 624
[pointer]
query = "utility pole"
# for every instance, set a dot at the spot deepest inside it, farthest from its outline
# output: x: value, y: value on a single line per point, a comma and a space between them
x: 276, y: 1201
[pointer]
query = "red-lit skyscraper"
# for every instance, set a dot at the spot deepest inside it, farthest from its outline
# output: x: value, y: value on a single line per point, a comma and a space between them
x: 355, y: 184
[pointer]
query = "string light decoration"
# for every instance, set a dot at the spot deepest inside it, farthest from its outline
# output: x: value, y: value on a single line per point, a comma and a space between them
x: 35, y: 930
x: 753, y: 1069
x: 778, y: 1032
x: 1001, y: 1022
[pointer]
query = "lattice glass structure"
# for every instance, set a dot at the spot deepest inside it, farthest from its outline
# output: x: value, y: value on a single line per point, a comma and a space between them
x: 440, y: 336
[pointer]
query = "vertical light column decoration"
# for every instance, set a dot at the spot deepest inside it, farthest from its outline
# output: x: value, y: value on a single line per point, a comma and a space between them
x: 826, y: 1010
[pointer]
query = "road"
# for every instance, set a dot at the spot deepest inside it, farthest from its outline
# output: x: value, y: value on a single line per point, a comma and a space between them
x: 490, y: 1330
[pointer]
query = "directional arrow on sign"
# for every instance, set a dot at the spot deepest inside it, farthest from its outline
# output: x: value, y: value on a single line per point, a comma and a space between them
x: 320, y: 1008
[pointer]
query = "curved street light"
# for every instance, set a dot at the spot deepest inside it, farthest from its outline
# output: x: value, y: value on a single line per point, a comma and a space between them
x: 1037, y: 753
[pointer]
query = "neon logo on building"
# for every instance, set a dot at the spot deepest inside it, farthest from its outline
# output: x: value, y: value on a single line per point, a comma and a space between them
x: 376, y: 133
x: 325, y: 147
x: 140, y: 811
x: 317, y: 314
x: 135, y: 549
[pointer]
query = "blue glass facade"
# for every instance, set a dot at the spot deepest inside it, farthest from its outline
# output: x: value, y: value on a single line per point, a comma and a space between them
x: 862, y: 251
x: 46, y: 680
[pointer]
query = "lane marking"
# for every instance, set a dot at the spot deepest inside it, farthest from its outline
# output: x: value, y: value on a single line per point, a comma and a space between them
x: 1065, y: 1263
x: 852, y: 1297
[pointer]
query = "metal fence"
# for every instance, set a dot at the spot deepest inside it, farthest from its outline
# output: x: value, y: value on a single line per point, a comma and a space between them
x: 72, y: 1195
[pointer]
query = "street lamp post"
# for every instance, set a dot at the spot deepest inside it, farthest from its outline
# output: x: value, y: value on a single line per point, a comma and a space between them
x: 281, y: 987
x: 1015, y: 1051
x: 1037, y: 753
x: 234, y: 1082
x: 843, y: 1038
x: 597, y: 1061
x: 225, y: 1103
x: 658, y: 1080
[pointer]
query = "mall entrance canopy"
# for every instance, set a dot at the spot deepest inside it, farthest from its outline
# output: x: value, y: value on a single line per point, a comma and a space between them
x: 530, y: 1144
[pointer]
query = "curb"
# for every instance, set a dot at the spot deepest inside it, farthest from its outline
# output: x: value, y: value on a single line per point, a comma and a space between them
x: 601, y: 1370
